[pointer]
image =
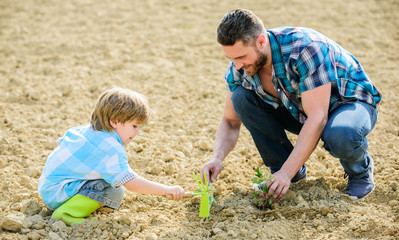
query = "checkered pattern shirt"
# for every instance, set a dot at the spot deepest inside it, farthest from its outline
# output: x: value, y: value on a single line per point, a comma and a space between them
x: 304, y: 59
x: 83, y: 154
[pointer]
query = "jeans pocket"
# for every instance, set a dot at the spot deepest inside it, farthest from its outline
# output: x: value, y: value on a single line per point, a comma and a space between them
x: 100, y: 186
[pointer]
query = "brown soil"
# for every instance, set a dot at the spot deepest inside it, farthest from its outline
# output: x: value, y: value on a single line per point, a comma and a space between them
x: 56, y: 57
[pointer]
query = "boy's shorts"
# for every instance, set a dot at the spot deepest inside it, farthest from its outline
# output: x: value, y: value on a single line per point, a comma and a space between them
x: 102, y: 192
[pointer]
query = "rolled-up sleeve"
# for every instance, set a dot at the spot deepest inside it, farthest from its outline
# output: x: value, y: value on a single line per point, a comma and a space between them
x: 116, y: 170
x: 233, y: 78
x: 315, y: 66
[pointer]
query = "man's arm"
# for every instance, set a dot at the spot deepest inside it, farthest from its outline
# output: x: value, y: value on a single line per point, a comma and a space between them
x: 315, y: 103
x: 226, y: 139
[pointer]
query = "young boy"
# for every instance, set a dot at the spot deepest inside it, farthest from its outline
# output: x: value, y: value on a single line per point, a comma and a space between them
x: 89, y: 169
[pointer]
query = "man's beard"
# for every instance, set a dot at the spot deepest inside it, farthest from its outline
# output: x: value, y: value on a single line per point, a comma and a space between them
x: 259, y: 63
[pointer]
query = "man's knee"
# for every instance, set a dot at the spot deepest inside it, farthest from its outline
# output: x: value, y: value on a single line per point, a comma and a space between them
x: 243, y: 99
x: 237, y: 95
x: 345, y: 144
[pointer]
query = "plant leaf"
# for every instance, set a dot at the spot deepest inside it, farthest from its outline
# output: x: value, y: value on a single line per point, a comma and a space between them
x: 258, y: 173
x: 211, y: 199
x: 255, y: 180
x: 265, y: 189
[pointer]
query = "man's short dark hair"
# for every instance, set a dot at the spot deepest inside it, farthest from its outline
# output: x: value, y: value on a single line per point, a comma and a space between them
x: 239, y: 25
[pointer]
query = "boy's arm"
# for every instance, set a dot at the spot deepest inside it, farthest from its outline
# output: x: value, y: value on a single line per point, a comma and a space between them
x: 144, y: 186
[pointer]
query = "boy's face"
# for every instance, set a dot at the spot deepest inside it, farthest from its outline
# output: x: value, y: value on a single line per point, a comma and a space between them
x: 126, y: 131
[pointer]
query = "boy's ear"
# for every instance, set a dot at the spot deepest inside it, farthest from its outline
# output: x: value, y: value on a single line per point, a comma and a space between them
x: 113, y: 123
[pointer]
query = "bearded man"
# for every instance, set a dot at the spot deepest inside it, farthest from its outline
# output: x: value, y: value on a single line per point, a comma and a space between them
x: 297, y: 80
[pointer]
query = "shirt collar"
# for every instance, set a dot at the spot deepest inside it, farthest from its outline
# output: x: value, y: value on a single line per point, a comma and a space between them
x: 115, y: 135
x: 278, y: 69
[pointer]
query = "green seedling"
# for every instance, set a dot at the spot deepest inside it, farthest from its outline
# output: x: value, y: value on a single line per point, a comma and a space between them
x: 206, y: 192
x: 260, y: 178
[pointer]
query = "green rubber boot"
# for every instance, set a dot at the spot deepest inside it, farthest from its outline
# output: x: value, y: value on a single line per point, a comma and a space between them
x: 75, y: 209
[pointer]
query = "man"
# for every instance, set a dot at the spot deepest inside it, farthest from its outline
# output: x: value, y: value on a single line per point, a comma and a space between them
x: 298, y: 80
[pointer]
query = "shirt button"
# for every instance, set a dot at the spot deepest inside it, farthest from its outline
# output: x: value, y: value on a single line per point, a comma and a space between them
x: 290, y: 107
x: 278, y: 89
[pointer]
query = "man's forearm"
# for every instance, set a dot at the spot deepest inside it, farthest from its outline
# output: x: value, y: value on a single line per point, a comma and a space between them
x: 305, y: 145
x: 226, y: 139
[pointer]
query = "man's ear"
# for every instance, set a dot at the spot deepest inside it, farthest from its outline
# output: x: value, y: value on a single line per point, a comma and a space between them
x: 261, y: 40
x: 113, y: 123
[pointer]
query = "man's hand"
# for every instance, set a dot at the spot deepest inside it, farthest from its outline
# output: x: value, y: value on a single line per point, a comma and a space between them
x: 211, y: 170
x: 279, y: 187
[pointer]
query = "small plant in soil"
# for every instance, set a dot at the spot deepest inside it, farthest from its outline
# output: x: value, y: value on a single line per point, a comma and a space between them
x: 261, y: 202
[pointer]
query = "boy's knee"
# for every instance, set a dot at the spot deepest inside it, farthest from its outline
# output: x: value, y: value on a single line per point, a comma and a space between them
x: 120, y: 192
x: 114, y: 196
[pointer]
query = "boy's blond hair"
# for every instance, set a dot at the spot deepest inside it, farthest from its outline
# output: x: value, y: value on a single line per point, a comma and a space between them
x: 120, y: 105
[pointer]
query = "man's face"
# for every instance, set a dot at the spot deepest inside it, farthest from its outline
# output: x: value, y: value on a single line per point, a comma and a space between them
x: 247, y: 57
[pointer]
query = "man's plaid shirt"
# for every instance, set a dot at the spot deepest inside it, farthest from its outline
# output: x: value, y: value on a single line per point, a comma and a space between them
x: 304, y: 59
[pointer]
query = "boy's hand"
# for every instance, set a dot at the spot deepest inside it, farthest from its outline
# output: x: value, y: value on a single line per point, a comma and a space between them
x: 176, y: 192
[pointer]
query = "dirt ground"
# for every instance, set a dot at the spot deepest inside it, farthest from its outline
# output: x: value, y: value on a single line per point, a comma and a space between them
x: 56, y: 57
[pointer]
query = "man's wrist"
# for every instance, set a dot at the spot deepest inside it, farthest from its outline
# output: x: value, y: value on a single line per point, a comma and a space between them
x: 217, y: 159
x: 288, y: 172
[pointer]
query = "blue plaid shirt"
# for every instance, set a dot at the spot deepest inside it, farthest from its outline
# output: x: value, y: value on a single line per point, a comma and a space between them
x: 83, y: 154
x: 304, y: 59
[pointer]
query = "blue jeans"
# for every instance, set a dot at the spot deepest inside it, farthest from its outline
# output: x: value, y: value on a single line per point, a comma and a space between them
x: 344, y: 135
x: 102, y: 192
